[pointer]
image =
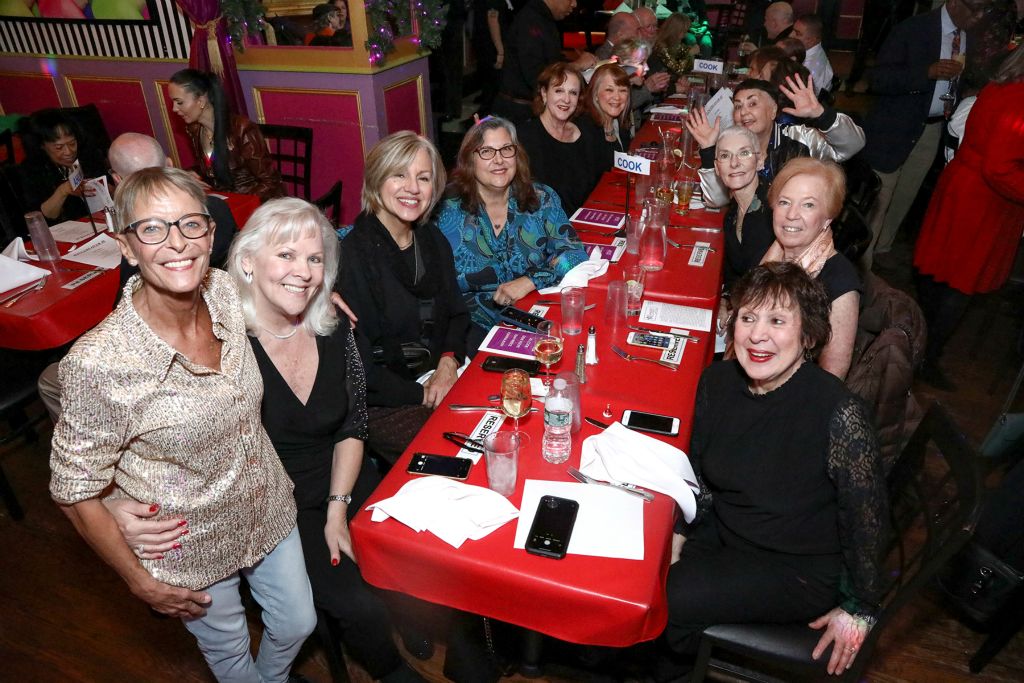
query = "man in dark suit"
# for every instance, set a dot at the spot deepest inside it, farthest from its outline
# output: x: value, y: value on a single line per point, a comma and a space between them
x: 903, y: 130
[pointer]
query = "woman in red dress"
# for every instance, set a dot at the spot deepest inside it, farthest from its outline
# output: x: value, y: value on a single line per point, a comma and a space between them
x: 970, y: 234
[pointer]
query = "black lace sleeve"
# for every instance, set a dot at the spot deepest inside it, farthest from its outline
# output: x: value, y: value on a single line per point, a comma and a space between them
x: 698, y: 442
x: 855, y: 468
x: 355, y: 424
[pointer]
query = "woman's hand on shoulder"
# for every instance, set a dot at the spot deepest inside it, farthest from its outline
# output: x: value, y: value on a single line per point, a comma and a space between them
x: 336, y: 532
x: 148, y: 538
x: 343, y: 307
x: 441, y: 382
x: 508, y: 293
x: 846, y: 632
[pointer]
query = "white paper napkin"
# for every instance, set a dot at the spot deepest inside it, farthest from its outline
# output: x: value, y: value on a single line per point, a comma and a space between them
x: 14, y: 273
x: 580, y: 275
x: 623, y: 455
x: 452, y: 511
x: 16, y: 250
x: 666, y: 109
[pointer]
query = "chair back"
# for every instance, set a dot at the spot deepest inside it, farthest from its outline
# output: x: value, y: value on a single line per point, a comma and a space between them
x: 7, y: 144
x: 90, y: 123
x: 12, y: 212
x: 291, y: 148
x: 330, y: 204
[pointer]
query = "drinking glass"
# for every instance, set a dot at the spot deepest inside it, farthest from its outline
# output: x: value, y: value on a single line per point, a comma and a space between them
x: 548, y: 349
x: 516, y: 396
x: 574, y: 299
x: 633, y: 275
x: 501, y: 451
x: 684, y: 192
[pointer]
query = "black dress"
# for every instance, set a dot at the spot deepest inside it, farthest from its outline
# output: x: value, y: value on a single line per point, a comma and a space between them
x: 568, y: 168
x: 603, y: 150
x: 40, y: 177
x: 758, y: 236
x: 792, y: 511
x: 304, y: 437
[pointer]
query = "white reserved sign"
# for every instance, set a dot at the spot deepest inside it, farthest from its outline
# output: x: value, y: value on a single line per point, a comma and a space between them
x: 708, y: 66
x: 632, y: 164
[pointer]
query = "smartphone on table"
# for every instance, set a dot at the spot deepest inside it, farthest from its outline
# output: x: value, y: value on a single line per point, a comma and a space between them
x: 503, y: 363
x: 651, y: 422
x: 552, y: 527
x: 653, y: 340
x: 440, y: 465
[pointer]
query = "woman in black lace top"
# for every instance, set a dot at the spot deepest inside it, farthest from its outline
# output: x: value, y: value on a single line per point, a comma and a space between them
x: 792, y: 509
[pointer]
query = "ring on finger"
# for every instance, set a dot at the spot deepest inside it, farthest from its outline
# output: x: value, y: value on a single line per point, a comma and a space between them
x: 141, y: 549
x: 851, y: 649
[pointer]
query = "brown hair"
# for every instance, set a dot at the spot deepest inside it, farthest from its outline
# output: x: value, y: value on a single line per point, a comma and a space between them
x: 786, y: 284
x: 829, y: 171
x: 770, y: 54
x: 463, y: 178
x: 672, y: 31
x: 793, y: 48
x: 553, y: 76
x: 620, y: 78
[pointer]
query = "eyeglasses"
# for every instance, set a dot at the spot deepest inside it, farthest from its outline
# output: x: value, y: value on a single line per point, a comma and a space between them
x: 506, y: 152
x: 725, y: 157
x: 156, y: 230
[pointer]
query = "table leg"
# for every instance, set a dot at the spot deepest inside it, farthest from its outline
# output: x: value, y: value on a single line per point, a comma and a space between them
x: 533, y: 646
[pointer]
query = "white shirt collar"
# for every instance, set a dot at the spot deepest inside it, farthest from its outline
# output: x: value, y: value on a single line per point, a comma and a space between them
x: 947, y: 22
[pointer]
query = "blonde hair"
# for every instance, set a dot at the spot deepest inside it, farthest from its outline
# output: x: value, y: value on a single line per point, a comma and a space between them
x: 829, y: 171
x: 151, y: 182
x: 393, y: 154
x: 286, y: 220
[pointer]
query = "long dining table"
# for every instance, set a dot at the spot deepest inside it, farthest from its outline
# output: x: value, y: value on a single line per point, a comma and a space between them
x: 581, y: 599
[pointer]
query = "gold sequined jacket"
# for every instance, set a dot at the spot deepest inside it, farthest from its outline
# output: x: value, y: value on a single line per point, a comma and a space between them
x: 138, y: 414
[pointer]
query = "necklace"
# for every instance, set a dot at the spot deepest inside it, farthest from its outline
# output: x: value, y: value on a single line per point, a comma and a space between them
x: 291, y: 334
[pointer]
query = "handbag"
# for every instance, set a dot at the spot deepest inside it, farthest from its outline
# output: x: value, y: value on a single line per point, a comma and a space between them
x: 1008, y: 429
x: 979, y: 582
x: 415, y: 355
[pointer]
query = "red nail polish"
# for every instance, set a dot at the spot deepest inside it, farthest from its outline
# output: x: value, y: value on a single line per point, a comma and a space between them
x: 154, y: 507
x: 334, y: 562
x: 176, y: 546
x: 159, y: 557
x: 182, y: 522
x: 184, y: 531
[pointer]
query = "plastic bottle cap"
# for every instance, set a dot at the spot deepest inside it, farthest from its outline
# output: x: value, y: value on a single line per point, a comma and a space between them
x: 560, y: 384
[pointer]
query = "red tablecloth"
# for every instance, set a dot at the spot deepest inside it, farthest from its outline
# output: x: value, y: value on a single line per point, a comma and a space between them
x: 55, y: 316
x: 590, y: 600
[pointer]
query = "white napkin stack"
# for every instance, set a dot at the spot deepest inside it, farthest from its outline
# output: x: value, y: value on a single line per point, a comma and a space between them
x: 579, y: 276
x: 451, y: 510
x: 620, y: 454
x: 14, y: 273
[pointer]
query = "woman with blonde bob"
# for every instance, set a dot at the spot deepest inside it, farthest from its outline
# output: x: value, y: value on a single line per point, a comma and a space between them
x: 805, y: 197
x: 284, y: 263
x: 398, y: 276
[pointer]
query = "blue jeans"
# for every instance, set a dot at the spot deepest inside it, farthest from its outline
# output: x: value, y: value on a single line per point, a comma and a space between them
x: 278, y: 583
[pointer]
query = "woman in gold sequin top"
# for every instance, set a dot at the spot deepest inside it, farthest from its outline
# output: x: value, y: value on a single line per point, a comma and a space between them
x: 162, y: 399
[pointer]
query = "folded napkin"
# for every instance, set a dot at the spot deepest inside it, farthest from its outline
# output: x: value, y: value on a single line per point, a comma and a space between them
x: 451, y: 510
x: 622, y: 455
x: 14, y: 273
x: 579, y: 276
x: 667, y: 109
x: 16, y: 250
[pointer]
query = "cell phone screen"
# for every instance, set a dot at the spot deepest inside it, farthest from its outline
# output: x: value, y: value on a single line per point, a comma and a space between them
x: 552, y: 527
x: 650, y: 422
x: 440, y: 465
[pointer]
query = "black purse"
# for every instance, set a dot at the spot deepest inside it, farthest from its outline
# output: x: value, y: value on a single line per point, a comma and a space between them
x: 979, y: 583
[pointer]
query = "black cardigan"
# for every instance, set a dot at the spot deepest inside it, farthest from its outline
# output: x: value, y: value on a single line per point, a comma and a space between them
x: 370, y: 282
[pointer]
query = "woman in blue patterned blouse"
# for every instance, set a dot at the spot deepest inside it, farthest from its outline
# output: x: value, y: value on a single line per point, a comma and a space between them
x: 509, y: 236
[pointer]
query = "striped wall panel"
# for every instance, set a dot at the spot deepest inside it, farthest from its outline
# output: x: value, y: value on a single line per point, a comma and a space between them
x: 167, y: 37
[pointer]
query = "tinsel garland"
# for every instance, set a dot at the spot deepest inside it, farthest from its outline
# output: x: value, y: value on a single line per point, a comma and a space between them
x: 389, y: 18
x: 678, y: 60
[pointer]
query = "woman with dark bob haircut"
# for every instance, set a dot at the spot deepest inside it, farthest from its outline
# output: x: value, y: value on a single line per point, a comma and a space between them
x: 53, y: 143
x: 792, y: 504
x: 509, y: 235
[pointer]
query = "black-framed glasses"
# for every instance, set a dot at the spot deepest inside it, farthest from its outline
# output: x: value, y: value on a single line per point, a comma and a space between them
x: 506, y: 152
x: 156, y: 230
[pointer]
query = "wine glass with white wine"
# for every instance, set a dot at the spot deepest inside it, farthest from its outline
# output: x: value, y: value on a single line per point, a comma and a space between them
x: 516, y: 396
x: 548, y: 349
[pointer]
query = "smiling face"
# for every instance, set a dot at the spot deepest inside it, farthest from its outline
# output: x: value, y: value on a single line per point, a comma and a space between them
x: 496, y: 173
x: 286, y: 277
x: 754, y: 110
x: 64, y: 150
x: 611, y: 98
x: 408, y: 193
x: 185, y: 104
x: 560, y: 100
x: 769, y: 345
x: 736, y: 161
x: 177, y: 265
x: 799, y: 214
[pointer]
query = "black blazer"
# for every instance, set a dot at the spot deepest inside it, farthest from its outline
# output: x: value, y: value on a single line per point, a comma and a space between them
x: 900, y: 78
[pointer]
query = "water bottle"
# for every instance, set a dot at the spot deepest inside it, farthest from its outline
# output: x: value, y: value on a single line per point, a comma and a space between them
x: 557, y: 424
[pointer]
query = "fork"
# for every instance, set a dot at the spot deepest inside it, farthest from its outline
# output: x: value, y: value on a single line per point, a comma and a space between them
x: 628, y: 488
x: 17, y: 297
x: 625, y: 355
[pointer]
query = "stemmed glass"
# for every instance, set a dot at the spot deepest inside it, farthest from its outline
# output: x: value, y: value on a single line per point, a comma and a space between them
x: 548, y: 349
x: 516, y: 396
x: 950, y: 94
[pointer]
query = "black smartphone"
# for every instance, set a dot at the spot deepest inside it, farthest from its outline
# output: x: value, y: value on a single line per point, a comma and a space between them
x: 521, y: 319
x: 552, y: 527
x: 651, y: 422
x: 440, y: 465
x: 503, y: 363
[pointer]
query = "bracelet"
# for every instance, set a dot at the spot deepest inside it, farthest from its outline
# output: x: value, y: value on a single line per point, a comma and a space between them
x: 345, y: 498
x: 864, y: 619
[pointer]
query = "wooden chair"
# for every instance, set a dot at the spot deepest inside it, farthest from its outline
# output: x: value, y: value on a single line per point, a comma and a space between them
x: 934, y: 492
x: 330, y: 204
x: 291, y: 148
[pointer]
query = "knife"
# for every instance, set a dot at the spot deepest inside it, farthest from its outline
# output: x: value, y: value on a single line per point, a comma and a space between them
x: 596, y: 423
x: 462, y: 407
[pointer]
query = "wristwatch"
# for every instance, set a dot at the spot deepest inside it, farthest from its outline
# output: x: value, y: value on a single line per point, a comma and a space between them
x: 345, y: 498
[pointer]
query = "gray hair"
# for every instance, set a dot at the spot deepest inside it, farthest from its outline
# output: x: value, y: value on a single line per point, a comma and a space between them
x: 150, y: 182
x: 740, y: 131
x: 286, y: 220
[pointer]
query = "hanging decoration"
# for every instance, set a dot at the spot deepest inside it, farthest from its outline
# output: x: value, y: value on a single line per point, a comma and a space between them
x: 243, y: 18
x: 390, y: 18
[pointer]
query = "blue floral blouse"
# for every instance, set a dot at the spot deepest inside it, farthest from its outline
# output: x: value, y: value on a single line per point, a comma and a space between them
x: 541, y: 245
